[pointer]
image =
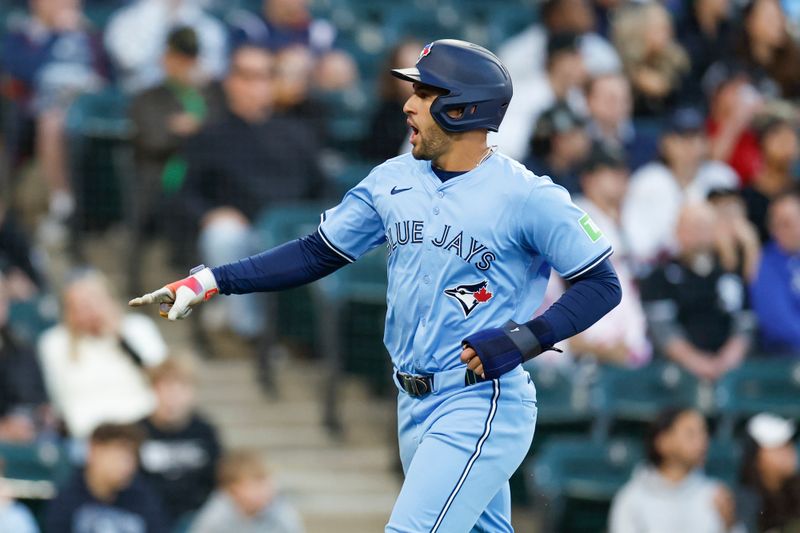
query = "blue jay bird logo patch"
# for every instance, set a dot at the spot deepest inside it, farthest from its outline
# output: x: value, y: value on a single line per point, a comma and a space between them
x: 470, y: 295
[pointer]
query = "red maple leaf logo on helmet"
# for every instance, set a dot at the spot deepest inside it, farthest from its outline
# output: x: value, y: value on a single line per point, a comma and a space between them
x: 483, y: 295
x: 425, y: 51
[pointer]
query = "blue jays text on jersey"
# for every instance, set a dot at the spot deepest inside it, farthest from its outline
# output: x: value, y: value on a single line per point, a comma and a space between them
x: 411, y: 232
x: 465, y: 255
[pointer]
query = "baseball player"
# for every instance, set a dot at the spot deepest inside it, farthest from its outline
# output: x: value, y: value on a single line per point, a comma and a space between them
x: 471, y: 238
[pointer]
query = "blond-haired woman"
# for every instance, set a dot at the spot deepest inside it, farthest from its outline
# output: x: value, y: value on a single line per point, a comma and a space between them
x: 92, y: 361
x: 652, y: 59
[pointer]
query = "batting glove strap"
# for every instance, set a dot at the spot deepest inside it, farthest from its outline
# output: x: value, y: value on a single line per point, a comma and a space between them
x: 502, y: 349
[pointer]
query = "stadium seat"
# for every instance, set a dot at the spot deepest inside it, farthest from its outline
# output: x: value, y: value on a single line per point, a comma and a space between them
x: 632, y: 398
x: 760, y: 385
x: 100, y: 157
x: 292, y: 309
x: 29, y: 318
x: 34, y: 462
x: 351, y: 306
x: 722, y: 461
x: 574, y: 480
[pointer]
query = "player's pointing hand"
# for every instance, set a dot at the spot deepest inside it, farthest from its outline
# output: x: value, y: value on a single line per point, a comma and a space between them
x: 175, y: 300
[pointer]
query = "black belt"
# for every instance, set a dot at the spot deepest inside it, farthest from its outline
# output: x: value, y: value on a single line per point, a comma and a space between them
x: 420, y: 385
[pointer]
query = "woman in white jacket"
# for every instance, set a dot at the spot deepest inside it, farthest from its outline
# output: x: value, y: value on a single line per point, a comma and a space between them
x: 93, y: 360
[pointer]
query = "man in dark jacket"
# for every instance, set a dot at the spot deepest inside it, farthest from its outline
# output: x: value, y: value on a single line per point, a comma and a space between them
x: 106, y: 496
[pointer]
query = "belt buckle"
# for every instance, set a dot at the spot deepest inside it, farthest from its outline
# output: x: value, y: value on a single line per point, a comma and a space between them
x: 415, y: 386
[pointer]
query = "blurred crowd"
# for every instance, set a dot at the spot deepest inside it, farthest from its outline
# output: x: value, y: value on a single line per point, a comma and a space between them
x: 674, y: 125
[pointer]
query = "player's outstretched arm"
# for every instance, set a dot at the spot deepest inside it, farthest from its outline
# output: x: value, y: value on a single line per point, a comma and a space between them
x: 286, y: 266
x: 175, y: 300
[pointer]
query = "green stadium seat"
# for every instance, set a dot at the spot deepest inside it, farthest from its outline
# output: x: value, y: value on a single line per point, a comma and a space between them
x: 630, y: 399
x: 723, y: 461
x: 29, y: 318
x: 293, y: 309
x: 34, y: 462
x: 768, y: 384
x: 574, y: 480
x: 351, y: 305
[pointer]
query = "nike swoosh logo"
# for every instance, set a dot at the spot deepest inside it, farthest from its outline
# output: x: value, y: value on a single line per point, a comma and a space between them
x: 395, y: 190
x: 514, y: 330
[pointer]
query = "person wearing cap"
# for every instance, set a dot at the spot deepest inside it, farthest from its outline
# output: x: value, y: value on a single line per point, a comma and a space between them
x: 558, y: 146
x: 769, y: 495
x: 564, y: 75
x: 136, y: 36
x: 775, y: 293
x: 670, y: 492
x: 659, y: 189
x: 620, y: 337
x: 164, y: 117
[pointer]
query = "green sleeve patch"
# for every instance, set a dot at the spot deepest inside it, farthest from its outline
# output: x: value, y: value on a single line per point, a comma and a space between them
x: 589, y: 228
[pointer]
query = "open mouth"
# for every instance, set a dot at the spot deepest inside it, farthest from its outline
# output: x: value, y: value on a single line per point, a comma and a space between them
x: 414, y: 131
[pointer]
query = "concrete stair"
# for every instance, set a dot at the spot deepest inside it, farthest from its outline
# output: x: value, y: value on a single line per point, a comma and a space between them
x: 345, y: 484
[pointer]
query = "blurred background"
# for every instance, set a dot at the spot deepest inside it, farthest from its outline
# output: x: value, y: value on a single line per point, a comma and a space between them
x: 142, y: 137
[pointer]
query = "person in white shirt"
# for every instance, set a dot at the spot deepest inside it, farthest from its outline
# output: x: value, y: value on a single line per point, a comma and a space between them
x: 561, y: 83
x: 136, y: 37
x: 524, y: 54
x: 92, y: 362
x: 659, y: 189
x: 671, y: 493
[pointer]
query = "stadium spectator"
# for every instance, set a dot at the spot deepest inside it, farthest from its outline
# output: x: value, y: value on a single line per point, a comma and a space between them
x: 294, y: 96
x: 738, y: 245
x: 733, y: 104
x: 766, y: 47
x: 388, y: 131
x: 659, y: 189
x: 671, y: 492
x: 246, y: 500
x: 769, y: 498
x: 92, y: 362
x: 286, y: 24
x: 775, y: 293
x: 165, y: 116
x: 238, y: 167
x: 608, y: 100
x: 780, y: 152
x: 653, y: 60
x: 620, y: 337
x: 705, y: 34
x: 14, y: 516
x: 17, y: 262
x: 695, y: 309
x: 561, y: 84
x: 180, y: 451
x: 50, y: 57
x: 106, y: 496
x: 558, y: 146
x: 23, y: 401
x: 525, y: 54
x: 136, y: 37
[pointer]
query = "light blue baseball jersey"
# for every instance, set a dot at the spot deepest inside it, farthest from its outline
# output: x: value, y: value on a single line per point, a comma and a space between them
x: 464, y: 255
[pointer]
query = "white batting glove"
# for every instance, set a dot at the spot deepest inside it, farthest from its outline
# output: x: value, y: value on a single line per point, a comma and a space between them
x: 175, y: 300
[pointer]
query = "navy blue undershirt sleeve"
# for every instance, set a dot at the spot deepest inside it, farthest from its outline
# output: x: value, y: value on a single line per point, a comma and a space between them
x: 286, y: 266
x: 590, y: 296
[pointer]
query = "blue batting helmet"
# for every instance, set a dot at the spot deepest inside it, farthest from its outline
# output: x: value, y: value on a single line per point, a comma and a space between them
x: 474, y: 78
